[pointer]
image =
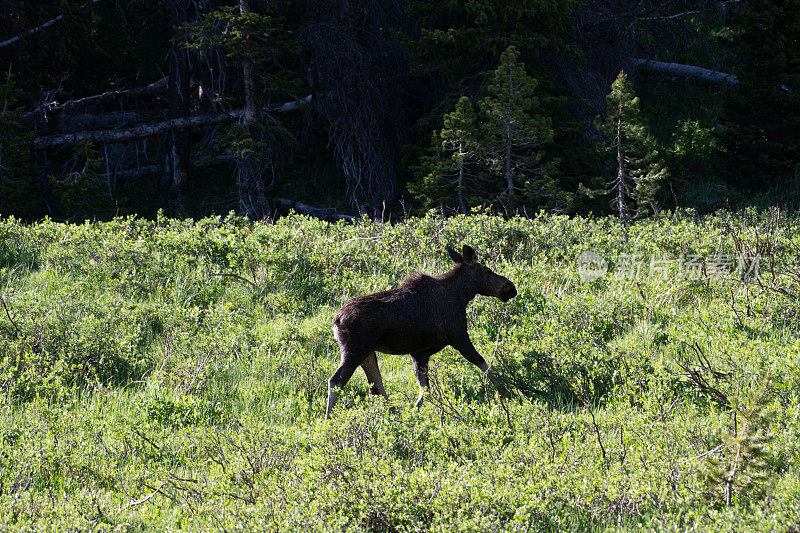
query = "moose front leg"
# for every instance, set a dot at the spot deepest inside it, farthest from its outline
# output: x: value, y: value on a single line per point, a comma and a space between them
x: 469, y: 352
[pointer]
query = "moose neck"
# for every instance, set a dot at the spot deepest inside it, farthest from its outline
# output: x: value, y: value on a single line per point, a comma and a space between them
x: 460, y: 284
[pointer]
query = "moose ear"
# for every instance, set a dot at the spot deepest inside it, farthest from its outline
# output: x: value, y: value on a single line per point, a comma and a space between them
x: 455, y: 256
x: 468, y: 253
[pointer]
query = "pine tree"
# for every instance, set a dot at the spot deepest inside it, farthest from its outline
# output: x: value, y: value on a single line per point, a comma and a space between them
x: 740, y: 466
x: 515, y: 132
x: 252, y: 35
x: 447, y: 171
x: 640, y: 172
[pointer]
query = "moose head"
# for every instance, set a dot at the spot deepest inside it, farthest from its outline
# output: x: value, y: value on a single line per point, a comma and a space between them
x: 486, y: 282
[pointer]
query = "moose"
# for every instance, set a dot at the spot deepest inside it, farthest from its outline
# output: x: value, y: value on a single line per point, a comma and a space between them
x: 421, y: 317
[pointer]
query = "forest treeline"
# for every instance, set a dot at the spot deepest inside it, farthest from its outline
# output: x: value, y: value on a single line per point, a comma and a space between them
x: 336, y: 106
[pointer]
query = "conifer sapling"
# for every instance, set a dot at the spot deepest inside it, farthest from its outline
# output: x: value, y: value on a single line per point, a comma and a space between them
x: 640, y: 173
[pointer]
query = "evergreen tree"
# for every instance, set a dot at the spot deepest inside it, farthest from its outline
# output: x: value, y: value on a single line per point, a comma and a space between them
x: 450, y: 167
x: 763, y: 119
x: 740, y: 467
x: 515, y: 132
x: 257, y: 44
x: 458, y: 43
x: 640, y: 173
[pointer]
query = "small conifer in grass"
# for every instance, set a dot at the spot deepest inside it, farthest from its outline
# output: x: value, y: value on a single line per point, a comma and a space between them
x: 493, y: 155
x: 640, y: 172
x: 515, y: 133
x: 444, y: 175
x: 740, y: 467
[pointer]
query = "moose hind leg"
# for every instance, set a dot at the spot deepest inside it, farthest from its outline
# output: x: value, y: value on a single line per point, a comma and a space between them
x: 421, y: 372
x: 337, y: 381
x: 373, y: 373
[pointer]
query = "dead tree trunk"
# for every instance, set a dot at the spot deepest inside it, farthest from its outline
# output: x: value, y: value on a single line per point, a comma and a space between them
x: 156, y: 128
x: 357, y: 61
x: 205, y: 82
x: 509, y: 203
x: 250, y: 174
x: 179, y: 100
x: 460, y: 183
x: 687, y: 71
x: 621, y: 183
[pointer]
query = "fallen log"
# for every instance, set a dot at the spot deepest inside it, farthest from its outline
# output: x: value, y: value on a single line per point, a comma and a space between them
x: 153, y: 88
x: 44, y: 110
x: 688, y: 71
x: 106, y: 121
x: 136, y: 132
x: 317, y: 212
x: 156, y: 128
x: 40, y: 27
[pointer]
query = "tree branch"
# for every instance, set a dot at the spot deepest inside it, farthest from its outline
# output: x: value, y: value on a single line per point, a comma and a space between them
x: 720, y: 6
x: 19, y: 332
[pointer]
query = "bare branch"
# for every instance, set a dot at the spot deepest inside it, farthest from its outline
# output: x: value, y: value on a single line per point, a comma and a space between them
x: 146, y: 498
x: 19, y: 332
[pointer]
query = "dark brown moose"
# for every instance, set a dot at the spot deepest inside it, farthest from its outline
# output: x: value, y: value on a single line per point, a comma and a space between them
x: 422, y: 316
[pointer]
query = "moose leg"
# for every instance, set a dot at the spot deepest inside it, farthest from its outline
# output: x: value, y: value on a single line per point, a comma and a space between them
x: 421, y: 372
x: 373, y: 373
x: 338, y: 380
x: 466, y: 348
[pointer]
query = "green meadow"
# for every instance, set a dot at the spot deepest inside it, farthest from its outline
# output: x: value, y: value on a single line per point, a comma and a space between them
x: 171, y: 375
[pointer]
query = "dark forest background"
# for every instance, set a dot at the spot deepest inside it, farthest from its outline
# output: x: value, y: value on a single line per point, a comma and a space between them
x: 338, y: 107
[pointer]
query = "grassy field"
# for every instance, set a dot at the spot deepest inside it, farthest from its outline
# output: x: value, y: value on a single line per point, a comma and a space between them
x: 171, y: 374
